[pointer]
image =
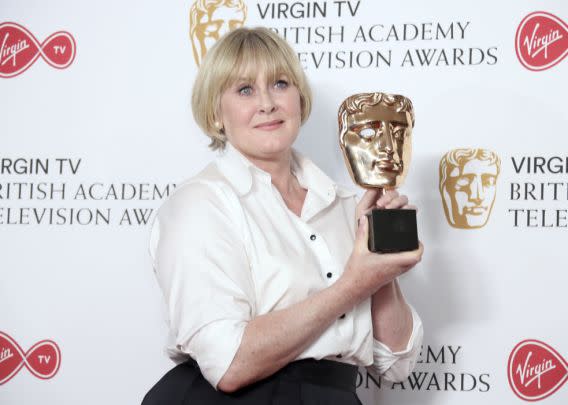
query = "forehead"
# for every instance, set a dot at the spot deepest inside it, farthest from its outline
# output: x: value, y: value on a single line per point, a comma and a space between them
x: 477, y: 166
x: 378, y: 112
x: 251, y: 69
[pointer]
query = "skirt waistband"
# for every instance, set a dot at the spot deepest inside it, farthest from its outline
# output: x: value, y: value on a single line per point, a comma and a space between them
x: 320, y: 372
x: 323, y: 372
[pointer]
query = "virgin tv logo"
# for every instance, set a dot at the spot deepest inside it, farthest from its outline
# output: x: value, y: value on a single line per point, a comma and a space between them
x: 541, y: 41
x: 535, y: 370
x: 42, y: 359
x: 19, y: 49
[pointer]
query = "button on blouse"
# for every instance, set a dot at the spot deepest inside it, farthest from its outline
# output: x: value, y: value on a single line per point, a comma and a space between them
x: 226, y: 249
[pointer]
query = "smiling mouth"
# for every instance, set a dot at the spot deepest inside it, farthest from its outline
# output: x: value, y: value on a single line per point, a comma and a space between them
x: 270, y: 125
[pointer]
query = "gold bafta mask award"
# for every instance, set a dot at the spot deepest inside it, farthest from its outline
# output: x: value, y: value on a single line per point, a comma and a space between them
x: 375, y: 134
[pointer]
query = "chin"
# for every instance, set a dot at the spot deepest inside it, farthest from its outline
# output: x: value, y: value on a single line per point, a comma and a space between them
x: 476, y: 221
x: 377, y: 182
x: 277, y: 144
x: 374, y: 184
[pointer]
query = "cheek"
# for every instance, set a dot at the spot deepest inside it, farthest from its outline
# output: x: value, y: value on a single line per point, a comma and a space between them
x: 236, y: 114
x: 489, y: 193
x: 461, y: 198
x: 293, y: 104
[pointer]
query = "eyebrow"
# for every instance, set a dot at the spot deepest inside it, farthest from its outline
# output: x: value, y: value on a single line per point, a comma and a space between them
x: 377, y: 121
x: 243, y: 79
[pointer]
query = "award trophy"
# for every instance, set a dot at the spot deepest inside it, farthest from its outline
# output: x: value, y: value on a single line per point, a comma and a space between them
x: 375, y: 133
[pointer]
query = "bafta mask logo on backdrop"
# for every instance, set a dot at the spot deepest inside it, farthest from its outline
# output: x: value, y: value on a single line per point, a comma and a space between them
x: 535, y: 370
x: 19, y: 49
x: 210, y: 19
x: 541, y: 41
x: 42, y: 359
x: 468, y: 181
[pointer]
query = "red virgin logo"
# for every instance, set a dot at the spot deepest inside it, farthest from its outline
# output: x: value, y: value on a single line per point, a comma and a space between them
x: 19, y: 49
x: 541, y: 41
x: 536, y: 370
x: 42, y: 359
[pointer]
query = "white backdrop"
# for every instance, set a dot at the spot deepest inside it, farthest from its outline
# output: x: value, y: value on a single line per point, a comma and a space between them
x: 118, y: 119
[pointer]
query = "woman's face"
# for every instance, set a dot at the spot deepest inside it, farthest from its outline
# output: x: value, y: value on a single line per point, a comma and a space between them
x: 261, y: 118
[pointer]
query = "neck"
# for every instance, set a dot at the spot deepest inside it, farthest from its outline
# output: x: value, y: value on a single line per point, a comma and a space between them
x: 280, y: 169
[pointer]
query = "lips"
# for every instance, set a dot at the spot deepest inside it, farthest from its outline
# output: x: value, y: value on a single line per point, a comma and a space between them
x: 475, y: 210
x: 269, y: 125
x: 386, y: 165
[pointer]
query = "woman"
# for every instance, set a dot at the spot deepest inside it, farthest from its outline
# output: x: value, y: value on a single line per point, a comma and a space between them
x: 271, y: 296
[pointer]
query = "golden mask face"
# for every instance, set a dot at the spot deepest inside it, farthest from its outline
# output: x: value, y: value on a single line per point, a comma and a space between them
x: 468, y: 185
x: 375, y: 134
x: 210, y: 20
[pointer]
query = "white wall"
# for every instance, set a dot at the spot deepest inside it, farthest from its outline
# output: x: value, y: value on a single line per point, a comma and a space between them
x: 121, y: 109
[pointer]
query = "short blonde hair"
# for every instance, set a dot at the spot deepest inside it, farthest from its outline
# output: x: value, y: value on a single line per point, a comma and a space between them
x: 243, y: 51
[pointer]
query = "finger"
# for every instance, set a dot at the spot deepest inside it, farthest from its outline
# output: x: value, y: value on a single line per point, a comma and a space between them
x: 405, y: 259
x: 398, y: 202
x: 368, y: 199
x: 362, y: 235
x: 410, y: 207
x: 386, y: 198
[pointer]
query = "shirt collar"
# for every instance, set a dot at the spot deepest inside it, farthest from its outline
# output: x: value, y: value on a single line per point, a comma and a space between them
x: 314, y: 179
x: 238, y: 170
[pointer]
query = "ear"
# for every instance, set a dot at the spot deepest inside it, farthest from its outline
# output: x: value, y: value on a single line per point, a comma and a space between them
x: 219, y: 127
x: 218, y: 114
x: 218, y: 121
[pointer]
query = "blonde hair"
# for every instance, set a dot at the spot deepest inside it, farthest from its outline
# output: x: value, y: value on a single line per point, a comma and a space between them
x: 231, y: 57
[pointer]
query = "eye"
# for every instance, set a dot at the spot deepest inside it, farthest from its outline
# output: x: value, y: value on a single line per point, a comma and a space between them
x: 367, y: 133
x: 399, y: 133
x: 489, y: 181
x: 281, y: 84
x: 245, y: 90
x: 212, y: 29
x: 462, y: 182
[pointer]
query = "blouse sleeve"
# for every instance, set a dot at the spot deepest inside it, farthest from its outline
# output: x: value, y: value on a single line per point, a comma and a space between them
x: 396, y: 366
x: 203, y: 270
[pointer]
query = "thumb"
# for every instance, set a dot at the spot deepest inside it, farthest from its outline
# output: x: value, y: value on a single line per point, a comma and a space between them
x: 362, y: 235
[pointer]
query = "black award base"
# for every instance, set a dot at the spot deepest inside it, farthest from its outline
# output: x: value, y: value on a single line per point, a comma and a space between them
x: 392, y: 230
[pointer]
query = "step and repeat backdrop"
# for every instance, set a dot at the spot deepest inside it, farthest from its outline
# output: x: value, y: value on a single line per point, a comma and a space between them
x: 96, y: 131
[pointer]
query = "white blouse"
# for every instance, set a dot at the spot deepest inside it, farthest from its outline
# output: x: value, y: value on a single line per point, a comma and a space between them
x: 226, y: 249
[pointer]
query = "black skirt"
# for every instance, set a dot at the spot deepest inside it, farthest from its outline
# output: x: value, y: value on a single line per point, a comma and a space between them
x: 306, y: 382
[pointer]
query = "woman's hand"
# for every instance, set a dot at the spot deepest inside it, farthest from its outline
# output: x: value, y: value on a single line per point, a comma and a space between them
x: 377, y: 198
x: 392, y: 318
x: 366, y: 271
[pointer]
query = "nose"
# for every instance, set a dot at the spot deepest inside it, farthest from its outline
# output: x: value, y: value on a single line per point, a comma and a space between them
x: 476, y: 190
x: 385, y: 138
x: 266, y: 102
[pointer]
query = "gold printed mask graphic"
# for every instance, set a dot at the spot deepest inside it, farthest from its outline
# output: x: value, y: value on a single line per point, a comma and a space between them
x: 468, y: 183
x: 375, y: 131
x: 211, y: 19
